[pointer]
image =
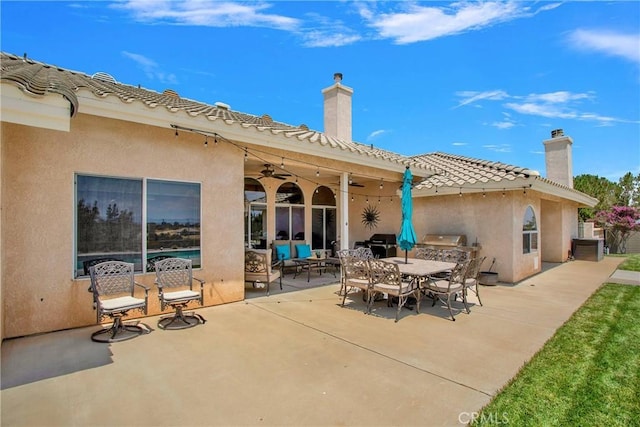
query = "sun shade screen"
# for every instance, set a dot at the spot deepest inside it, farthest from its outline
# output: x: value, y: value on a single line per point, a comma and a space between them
x: 283, y: 252
x: 304, y: 251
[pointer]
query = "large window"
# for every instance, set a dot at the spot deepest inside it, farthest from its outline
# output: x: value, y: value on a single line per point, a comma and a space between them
x: 289, y: 212
x: 255, y: 214
x: 323, y: 218
x: 529, y: 232
x: 111, y: 214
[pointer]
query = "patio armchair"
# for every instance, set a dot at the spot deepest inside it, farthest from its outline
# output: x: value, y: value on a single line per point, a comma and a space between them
x: 386, y: 278
x: 445, y: 289
x: 258, y: 268
x: 175, y: 282
x: 357, y: 277
x: 113, y: 287
x: 342, y: 257
x: 430, y: 254
x: 471, y: 279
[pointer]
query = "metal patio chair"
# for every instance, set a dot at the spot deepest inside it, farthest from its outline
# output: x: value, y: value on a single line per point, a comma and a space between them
x: 175, y: 282
x: 113, y: 287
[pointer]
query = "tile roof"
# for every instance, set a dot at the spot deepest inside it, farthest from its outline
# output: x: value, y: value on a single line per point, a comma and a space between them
x: 458, y: 171
x: 37, y: 78
x: 443, y: 170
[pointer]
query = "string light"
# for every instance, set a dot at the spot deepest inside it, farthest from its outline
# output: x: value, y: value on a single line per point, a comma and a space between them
x: 483, y: 193
x: 460, y: 194
x: 503, y: 193
x: 206, y: 141
x: 215, y: 140
x: 253, y: 152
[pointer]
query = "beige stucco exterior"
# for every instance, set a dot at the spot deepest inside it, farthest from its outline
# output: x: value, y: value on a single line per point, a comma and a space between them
x: 44, y: 143
x: 38, y: 213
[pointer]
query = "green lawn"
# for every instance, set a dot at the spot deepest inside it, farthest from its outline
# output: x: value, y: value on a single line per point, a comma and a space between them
x: 587, y: 374
x: 632, y: 262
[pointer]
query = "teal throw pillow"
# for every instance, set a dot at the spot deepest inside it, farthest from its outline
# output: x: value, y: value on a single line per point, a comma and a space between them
x: 304, y: 251
x: 283, y: 252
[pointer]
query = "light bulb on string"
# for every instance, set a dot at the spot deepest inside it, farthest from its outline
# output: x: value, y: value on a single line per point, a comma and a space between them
x: 318, y: 172
x: 246, y: 155
x: 282, y: 164
x: 206, y: 141
x: 215, y: 139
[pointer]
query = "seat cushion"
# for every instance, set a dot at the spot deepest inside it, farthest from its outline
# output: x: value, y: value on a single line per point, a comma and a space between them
x: 303, y: 251
x: 121, y: 304
x: 283, y: 252
x: 181, y: 295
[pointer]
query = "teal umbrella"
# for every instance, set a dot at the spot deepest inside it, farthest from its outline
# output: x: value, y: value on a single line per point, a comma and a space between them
x: 407, y: 237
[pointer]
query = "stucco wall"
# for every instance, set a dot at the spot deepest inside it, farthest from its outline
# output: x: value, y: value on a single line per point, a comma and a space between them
x: 39, y: 292
x: 494, y: 220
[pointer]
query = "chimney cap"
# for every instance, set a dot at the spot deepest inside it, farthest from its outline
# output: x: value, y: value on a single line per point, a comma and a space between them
x: 557, y: 133
x: 337, y: 77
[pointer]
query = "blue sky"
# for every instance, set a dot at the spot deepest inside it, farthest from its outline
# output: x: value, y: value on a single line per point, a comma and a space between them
x: 488, y: 80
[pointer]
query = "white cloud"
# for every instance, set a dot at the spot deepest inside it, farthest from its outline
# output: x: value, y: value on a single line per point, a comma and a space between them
x: 415, y: 23
x: 151, y: 68
x: 209, y: 13
x: 502, y: 148
x: 470, y: 97
x: 375, y: 134
x: 328, y: 39
x: 459, y: 144
x: 626, y: 46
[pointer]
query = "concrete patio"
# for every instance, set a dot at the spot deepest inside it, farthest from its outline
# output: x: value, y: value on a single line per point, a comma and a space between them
x: 296, y: 358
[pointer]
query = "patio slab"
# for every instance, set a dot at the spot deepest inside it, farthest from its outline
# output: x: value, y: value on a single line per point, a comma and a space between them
x: 296, y: 358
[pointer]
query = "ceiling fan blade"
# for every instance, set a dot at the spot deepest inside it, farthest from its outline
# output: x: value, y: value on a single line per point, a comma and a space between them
x: 355, y: 184
x: 277, y: 176
x: 281, y: 174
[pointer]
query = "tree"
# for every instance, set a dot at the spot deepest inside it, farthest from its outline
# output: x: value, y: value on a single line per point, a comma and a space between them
x: 600, y: 188
x: 619, y: 222
x: 629, y: 190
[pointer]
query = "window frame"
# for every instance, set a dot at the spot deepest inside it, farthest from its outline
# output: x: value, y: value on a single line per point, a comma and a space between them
x: 530, y: 235
x: 140, y: 259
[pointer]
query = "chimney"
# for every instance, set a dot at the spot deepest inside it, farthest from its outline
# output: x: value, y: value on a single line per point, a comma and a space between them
x: 558, y: 159
x: 337, y: 109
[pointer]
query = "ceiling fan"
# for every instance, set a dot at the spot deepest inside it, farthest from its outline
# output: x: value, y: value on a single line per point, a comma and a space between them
x: 269, y: 172
x: 352, y: 183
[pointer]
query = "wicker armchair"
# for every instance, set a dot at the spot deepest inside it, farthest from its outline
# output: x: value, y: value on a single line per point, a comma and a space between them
x: 258, y: 268
x: 113, y: 287
x: 386, y: 278
x: 175, y: 282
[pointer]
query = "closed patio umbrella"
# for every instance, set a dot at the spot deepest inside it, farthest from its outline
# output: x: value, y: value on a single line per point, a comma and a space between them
x: 407, y: 237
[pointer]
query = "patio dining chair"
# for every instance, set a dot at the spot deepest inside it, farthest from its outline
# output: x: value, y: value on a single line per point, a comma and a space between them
x: 357, y: 277
x: 175, y: 282
x: 342, y: 256
x: 445, y: 289
x: 363, y: 253
x: 471, y: 278
x: 430, y: 254
x: 113, y: 287
x: 387, y: 279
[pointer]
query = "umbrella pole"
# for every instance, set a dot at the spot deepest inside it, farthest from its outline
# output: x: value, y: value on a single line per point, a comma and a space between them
x: 405, y: 257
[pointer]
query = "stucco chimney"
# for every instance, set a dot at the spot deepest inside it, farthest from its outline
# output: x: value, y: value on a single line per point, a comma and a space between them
x: 337, y: 109
x: 558, y: 159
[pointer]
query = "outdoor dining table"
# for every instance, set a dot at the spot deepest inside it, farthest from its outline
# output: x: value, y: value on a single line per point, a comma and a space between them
x: 420, y: 268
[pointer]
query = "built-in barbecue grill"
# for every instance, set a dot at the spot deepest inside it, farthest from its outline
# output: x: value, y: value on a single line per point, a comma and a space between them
x: 382, y: 245
x: 448, y: 241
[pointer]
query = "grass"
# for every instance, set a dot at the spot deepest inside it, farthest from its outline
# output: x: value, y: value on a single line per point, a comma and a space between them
x: 587, y: 374
x: 632, y: 262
